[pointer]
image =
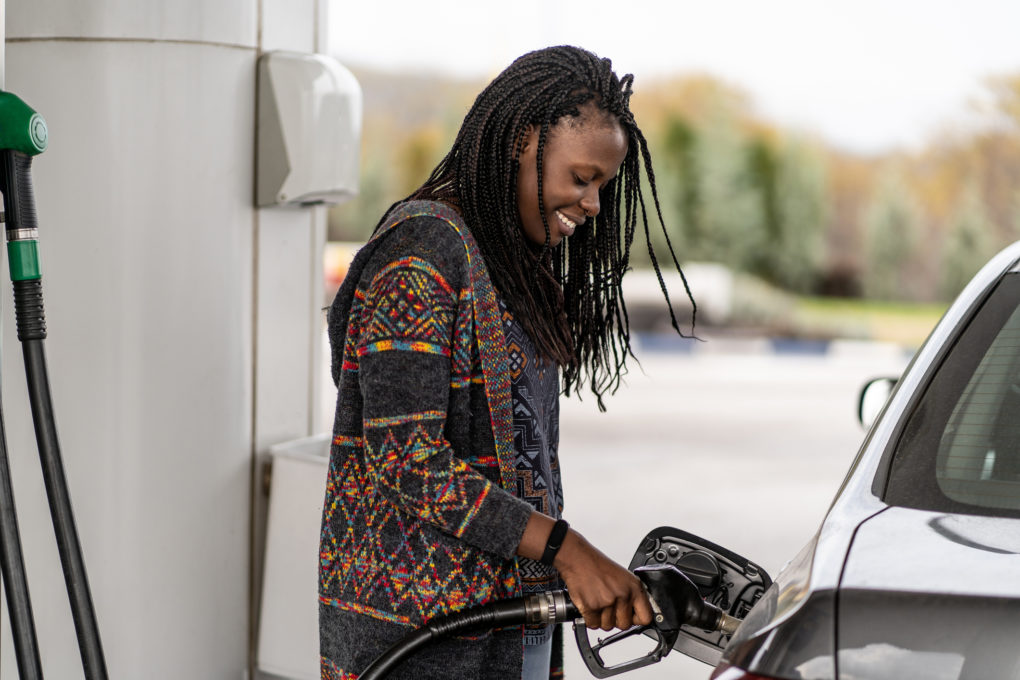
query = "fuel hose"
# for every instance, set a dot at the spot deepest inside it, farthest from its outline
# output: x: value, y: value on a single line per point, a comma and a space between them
x: 541, y: 608
x: 12, y: 566
x: 24, y: 135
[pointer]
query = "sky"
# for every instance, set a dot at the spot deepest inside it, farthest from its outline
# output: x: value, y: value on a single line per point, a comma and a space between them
x: 867, y: 75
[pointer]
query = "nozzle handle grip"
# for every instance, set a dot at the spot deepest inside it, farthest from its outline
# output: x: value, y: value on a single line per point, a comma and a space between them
x: 19, y: 197
x: 22, y: 243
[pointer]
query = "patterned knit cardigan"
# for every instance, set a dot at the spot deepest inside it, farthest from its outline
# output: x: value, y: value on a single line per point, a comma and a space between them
x: 418, y: 520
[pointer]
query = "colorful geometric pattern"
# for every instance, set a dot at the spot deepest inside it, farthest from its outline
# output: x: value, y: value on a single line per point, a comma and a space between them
x: 534, y: 390
x: 329, y: 671
x: 395, y: 490
x: 491, y: 343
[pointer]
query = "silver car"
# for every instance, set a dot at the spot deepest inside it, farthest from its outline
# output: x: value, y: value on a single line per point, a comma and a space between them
x: 915, y: 571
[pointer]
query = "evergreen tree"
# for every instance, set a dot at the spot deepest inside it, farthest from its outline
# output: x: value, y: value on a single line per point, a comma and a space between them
x: 891, y: 228
x: 803, y: 203
x: 680, y: 147
x: 788, y: 180
x: 729, y: 206
x: 968, y: 244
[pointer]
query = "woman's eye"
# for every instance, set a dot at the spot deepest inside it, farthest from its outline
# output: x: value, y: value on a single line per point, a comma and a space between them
x: 579, y: 182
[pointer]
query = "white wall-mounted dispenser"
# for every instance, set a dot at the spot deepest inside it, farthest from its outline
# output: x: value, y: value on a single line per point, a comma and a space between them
x: 308, y: 130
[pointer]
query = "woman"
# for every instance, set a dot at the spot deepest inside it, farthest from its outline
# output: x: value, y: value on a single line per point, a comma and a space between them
x: 449, y: 334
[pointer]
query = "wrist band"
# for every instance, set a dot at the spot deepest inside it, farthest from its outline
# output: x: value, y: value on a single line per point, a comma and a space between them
x: 552, y: 546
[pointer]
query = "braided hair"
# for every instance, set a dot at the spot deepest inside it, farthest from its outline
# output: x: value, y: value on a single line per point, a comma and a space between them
x: 569, y: 301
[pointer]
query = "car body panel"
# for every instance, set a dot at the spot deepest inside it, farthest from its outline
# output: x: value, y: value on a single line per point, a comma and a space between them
x: 917, y: 551
x: 925, y: 636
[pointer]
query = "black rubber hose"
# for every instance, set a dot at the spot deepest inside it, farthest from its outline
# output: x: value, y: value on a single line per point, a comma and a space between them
x: 512, y: 612
x: 20, y: 217
x: 75, y: 578
x: 12, y: 566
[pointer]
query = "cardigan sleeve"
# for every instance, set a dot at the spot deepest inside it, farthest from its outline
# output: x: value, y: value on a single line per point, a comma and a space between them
x: 405, y: 334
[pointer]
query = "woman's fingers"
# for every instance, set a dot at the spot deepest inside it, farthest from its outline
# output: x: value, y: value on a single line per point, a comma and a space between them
x: 643, y: 614
x: 607, y: 595
x: 624, y: 613
x: 608, y: 611
x: 607, y: 622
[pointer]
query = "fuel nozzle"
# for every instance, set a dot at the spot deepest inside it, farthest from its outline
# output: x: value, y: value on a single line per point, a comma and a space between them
x: 676, y: 602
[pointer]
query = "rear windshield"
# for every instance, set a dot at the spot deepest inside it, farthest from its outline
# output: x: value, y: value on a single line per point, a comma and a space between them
x: 960, y: 449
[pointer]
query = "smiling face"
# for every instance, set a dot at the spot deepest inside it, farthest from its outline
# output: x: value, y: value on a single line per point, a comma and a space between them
x: 580, y: 157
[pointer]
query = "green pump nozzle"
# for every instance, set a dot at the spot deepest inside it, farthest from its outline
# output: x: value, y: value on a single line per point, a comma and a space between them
x: 23, y: 134
x: 21, y: 128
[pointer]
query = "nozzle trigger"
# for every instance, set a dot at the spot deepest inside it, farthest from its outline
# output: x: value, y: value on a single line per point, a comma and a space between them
x: 592, y: 654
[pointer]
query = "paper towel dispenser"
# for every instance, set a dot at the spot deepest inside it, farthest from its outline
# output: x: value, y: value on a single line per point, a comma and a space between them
x: 308, y: 130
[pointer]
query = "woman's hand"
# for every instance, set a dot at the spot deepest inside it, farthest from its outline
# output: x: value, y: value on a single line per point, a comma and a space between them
x: 607, y: 595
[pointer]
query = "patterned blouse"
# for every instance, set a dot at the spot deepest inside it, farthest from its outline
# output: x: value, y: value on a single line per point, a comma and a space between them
x: 534, y: 388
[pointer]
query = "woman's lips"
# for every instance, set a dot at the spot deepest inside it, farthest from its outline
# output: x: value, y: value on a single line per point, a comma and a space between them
x: 567, y: 225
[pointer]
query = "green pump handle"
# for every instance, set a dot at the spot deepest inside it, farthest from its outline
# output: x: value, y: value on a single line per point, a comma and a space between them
x: 23, y: 134
x: 21, y: 128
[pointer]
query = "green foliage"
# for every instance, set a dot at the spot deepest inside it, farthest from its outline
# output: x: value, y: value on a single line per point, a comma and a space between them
x: 745, y: 200
x: 803, y: 206
x: 968, y: 244
x: 789, y: 182
x: 682, y: 176
x: 729, y: 208
x: 891, y: 231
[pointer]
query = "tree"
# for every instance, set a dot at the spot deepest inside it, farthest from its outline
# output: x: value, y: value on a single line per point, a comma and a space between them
x: 683, y: 177
x: 968, y: 245
x: 891, y: 235
x: 803, y: 201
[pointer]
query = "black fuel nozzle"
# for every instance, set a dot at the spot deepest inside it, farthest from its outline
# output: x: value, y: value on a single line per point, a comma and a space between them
x: 679, y: 603
x: 675, y: 602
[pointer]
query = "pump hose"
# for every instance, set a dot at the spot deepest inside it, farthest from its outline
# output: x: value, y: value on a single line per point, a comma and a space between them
x: 12, y: 563
x: 22, y: 233
x: 546, y: 607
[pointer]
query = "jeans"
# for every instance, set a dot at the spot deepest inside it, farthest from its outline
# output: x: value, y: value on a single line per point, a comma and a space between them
x: 536, y: 661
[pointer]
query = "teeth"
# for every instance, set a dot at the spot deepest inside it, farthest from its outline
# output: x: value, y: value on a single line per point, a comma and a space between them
x: 568, y: 222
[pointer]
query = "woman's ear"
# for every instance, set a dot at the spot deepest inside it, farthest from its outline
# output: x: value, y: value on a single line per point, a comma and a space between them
x: 528, y: 140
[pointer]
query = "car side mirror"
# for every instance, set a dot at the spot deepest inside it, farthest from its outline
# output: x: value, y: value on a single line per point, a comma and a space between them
x: 873, y: 398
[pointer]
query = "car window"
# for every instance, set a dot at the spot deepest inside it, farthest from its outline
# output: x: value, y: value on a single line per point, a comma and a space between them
x: 960, y: 448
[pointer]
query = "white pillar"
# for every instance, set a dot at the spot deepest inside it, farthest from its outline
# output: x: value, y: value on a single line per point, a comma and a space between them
x: 182, y: 322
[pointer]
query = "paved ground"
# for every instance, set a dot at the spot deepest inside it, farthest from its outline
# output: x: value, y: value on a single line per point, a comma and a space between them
x: 745, y: 449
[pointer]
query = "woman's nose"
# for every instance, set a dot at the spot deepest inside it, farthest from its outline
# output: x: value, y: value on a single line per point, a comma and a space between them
x: 590, y: 203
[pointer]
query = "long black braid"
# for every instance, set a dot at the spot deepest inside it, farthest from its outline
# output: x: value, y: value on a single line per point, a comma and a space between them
x: 568, y: 301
